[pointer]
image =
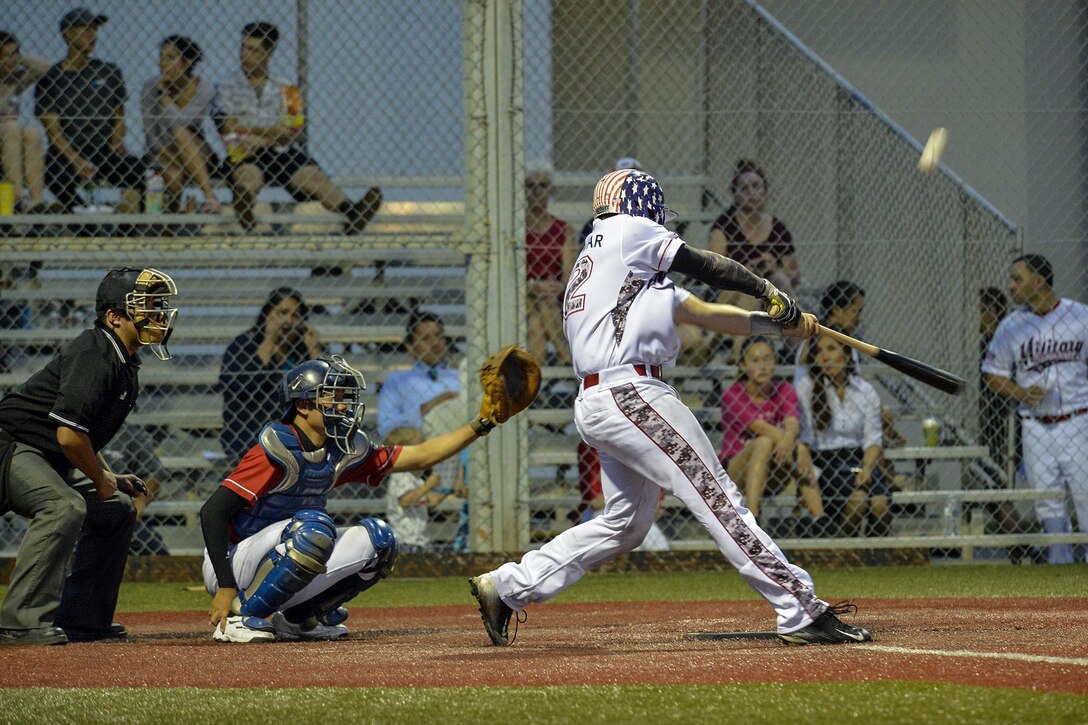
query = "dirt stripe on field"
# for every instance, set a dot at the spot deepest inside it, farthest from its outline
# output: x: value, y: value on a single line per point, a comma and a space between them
x: 1023, y: 643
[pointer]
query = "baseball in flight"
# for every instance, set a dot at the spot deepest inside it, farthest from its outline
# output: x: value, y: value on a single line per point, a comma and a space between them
x: 931, y: 154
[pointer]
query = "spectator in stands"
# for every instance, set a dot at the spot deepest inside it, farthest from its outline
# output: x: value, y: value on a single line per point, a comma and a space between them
x: 254, y: 364
x: 80, y: 102
x: 761, y: 424
x: 261, y: 121
x: 549, y: 255
x: 841, y: 426
x: 993, y: 409
x: 174, y: 107
x: 133, y: 449
x: 429, y: 396
x: 407, y: 396
x: 410, y: 496
x: 748, y: 233
x: 22, y: 157
x: 842, y: 306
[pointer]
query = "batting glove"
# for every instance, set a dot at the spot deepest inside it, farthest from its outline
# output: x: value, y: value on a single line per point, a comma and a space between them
x: 780, y: 307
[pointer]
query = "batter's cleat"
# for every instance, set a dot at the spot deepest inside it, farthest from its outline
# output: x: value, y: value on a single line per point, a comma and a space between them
x: 829, y: 629
x: 246, y: 629
x: 493, y: 609
x: 310, y: 630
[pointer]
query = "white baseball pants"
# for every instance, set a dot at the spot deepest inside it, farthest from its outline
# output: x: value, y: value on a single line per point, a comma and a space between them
x: 351, y: 554
x: 649, y: 439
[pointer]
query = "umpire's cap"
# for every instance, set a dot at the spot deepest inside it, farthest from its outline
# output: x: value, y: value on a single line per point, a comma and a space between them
x: 114, y: 288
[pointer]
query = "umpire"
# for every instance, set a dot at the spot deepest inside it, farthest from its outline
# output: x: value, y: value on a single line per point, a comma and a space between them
x: 52, y: 428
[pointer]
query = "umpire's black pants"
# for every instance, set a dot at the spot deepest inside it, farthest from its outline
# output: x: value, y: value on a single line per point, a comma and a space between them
x: 63, y: 514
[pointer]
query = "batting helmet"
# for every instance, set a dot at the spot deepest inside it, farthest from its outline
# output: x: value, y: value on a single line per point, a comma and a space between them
x: 145, y: 296
x: 336, y: 388
x: 633, y: 192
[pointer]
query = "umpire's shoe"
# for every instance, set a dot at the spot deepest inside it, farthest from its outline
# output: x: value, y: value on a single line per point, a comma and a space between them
x: 40, y: 635
x: 829, y: 629
x: 493, y: 610
x: 115, y: 631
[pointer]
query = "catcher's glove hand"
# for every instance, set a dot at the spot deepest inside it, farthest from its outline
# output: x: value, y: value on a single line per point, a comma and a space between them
x: 510, y: 379
x: 780, y: 307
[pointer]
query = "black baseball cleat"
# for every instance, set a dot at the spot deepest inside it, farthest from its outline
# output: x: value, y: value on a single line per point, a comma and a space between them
x: 829, y: 629
x: 493, y: 609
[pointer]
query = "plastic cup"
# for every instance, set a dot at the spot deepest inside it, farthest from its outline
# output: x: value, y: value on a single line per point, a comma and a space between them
x: 7, y: 198
x: 931, y: 429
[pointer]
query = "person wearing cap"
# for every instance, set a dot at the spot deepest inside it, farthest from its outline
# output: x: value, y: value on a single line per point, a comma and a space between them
x: 53, y: 428
x: 80, y: 102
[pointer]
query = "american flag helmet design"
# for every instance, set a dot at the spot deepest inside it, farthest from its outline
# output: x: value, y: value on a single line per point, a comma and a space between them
x: 633, y: 192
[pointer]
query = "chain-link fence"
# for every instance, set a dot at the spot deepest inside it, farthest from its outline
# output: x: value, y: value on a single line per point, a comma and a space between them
x: 346, y: 178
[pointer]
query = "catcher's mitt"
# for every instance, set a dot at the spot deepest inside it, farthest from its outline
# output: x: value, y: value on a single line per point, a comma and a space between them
x: 510, y: 379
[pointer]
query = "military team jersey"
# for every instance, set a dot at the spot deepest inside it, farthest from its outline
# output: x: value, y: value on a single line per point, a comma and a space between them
x: 1047, y: 351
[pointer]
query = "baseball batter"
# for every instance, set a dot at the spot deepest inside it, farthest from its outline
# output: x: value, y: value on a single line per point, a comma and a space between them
x: 620, y: 317
x: 1037, y: 358
x: 276, y: 564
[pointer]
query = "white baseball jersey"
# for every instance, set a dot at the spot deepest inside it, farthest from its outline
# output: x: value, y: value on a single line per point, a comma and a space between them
x: 1044, y: 350
x: 619, y: 301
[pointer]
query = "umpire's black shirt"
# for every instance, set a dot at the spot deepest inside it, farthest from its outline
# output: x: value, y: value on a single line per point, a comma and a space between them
x: 91, y: 385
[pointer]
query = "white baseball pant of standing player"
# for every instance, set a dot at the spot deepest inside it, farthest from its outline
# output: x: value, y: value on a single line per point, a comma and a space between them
x: 619, y: 318
x: 1041, y: 345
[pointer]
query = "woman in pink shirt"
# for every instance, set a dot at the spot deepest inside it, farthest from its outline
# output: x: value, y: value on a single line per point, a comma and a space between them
x: 760, y: 420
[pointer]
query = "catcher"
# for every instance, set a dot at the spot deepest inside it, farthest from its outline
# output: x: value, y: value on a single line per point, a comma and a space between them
x: 275, y: 563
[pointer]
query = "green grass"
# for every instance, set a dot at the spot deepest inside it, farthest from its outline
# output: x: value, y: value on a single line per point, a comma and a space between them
x: 883, y: 582
x: 887, y: 702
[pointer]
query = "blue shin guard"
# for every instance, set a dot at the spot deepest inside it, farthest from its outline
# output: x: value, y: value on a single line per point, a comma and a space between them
x: 326, y: 606
x: 309, y: 539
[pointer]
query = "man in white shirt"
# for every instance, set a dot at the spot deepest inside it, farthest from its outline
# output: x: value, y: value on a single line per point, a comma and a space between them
x: 261, y: 132
x: 620, y: 316
x: 1037, y: 358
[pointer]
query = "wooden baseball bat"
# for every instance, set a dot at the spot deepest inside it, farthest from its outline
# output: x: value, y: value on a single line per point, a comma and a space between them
x: 920, y: 371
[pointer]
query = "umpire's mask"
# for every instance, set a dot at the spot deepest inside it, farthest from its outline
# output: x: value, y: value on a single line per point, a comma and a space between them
x: 147, y: 297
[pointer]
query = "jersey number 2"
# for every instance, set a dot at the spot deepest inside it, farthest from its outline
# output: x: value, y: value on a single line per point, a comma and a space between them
x: 573, y: 301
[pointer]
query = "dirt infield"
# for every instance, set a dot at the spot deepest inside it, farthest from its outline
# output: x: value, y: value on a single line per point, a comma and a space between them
x: 1035, y: 644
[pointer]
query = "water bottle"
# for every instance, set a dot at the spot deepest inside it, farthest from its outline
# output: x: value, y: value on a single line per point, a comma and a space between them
x: 154, y: 192
x: 93, y: 193
x: 951, y: 515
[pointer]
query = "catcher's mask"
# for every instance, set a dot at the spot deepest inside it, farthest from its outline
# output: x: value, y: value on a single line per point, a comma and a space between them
x: 634, y: 192
x: 336, y: 389
x: 145, y: 296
